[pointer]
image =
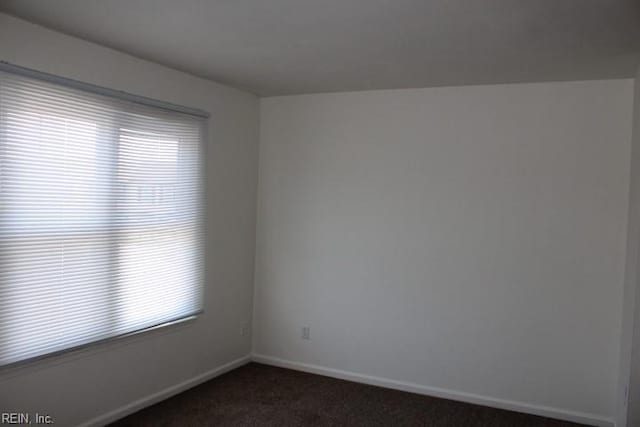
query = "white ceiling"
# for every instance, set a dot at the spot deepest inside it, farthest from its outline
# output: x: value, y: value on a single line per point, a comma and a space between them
x: 276, y: 47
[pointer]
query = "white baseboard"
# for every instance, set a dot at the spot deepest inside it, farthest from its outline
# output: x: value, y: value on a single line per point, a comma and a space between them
x: 139, y: 404
x: 511, y: 405
x: 546, y: 411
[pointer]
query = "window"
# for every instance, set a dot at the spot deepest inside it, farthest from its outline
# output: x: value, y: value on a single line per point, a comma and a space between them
x: 100, y: 216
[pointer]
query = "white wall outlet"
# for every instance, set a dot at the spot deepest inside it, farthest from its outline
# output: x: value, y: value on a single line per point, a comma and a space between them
x: 306, y: 332
x: 244, y: 328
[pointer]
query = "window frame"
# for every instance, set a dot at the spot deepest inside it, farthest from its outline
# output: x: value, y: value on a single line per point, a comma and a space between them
x: 120, y: 124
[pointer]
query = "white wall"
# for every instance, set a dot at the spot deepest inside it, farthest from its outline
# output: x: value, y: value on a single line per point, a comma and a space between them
x: 629, y: 407
x: 76, y: 388
x: 470, y: 239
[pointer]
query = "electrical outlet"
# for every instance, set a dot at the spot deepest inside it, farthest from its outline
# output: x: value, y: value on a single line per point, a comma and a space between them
x: 306, y: 333
x: 244, y: 328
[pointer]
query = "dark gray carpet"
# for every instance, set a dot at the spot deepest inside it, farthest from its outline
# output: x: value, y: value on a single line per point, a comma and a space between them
x: 260, y: 395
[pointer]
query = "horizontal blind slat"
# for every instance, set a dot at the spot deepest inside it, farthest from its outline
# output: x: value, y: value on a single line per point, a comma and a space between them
x: 100, y: 217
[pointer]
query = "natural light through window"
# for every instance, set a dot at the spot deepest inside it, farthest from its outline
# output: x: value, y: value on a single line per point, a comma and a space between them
x: 100, y: 217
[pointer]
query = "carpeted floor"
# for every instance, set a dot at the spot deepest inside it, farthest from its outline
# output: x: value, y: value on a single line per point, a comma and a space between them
x: 260, y: 395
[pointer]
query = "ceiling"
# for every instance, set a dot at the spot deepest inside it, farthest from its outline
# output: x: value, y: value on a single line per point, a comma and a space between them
x: 279, y: 47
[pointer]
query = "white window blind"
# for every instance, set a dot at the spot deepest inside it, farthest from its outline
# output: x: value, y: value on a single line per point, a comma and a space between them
x: 100, y: 217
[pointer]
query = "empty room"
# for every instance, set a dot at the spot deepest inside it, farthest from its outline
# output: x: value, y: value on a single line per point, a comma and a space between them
x: 320, y: 213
